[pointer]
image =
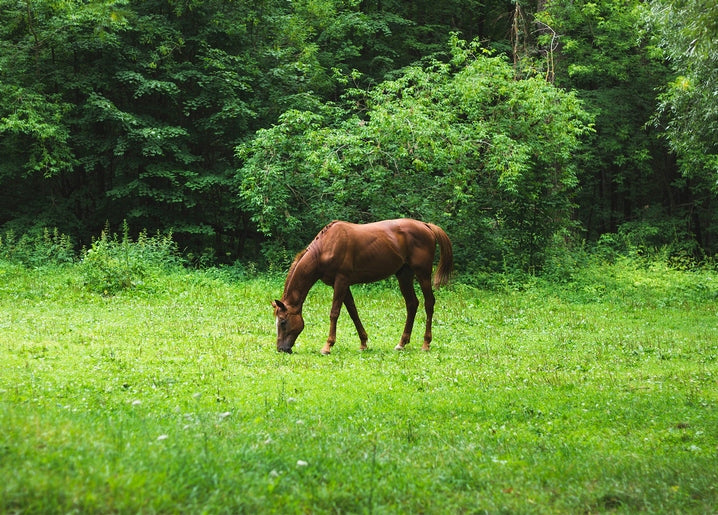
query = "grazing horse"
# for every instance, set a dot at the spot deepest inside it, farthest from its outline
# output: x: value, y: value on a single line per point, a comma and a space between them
x: 343, y: 254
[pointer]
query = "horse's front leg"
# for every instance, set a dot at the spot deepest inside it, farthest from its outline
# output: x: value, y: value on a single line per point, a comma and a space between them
x: 340, y: 293
x: 352, y: 309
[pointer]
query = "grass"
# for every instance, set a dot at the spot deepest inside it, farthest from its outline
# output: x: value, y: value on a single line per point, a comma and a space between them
x: 596, y: 396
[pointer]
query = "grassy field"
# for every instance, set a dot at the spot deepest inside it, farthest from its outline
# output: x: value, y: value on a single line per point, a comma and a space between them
x: 596, y: 396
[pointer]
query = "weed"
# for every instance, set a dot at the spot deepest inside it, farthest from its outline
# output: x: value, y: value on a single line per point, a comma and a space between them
x: 112, y: 264
x: 38, y: 249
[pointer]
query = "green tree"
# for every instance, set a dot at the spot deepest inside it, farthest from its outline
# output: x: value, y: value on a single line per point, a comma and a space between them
x: 120, y: 109
x: 127, y: 110
x: 462, y: 143
x: 685, y: 30
x: 36, y: 139
x: 600, y: 55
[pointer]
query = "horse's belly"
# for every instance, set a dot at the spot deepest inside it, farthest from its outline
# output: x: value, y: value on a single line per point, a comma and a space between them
x: 375, y: 268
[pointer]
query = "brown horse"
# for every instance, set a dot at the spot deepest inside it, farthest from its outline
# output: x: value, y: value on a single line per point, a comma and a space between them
x: 343, y: 254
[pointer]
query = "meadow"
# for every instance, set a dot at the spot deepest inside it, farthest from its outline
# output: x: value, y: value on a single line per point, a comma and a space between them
x: 596, y: 395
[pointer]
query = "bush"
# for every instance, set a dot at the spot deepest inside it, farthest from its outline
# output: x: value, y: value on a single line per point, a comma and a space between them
x: 466, y: 144
x: 665, y: 241
x: 112, y: 264
x: 40, y: 248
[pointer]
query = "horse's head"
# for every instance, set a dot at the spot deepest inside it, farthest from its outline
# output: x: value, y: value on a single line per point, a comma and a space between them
x: 289, y: 324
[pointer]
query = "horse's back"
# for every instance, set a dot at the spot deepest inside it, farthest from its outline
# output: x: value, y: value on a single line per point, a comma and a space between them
x: 399, y: 235
x: 374, y: 251
x: 374, y: 229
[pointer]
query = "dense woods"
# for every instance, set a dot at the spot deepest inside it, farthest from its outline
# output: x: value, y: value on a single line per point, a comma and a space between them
x: 242, y: 127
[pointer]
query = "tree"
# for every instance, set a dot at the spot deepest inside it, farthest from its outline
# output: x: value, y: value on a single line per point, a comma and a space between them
x: 115, y: 110
x: 686, y: 31
x: 36, y: 138
x: 630, y: 183
x: 688, y: 107
x: 464, y: 144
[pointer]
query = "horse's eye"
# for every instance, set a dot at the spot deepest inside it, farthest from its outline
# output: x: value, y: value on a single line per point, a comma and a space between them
x: 283, y: 323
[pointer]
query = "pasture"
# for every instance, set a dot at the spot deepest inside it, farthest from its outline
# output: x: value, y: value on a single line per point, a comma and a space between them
x: 595, y: 396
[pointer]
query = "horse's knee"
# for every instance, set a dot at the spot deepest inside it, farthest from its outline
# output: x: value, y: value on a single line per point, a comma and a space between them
x: 429, y: 298
x: 412, y: 305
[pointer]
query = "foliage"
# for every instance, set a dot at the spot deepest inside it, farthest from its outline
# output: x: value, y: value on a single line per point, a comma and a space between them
x: 176, y: 401
x: 112, y: 264
x: 463, y: 144
x: 685, y: 30
x: 687, y: 111
x: 45, y: 249
x: 115, y: 110
x: 118, y: 109
x: 601, y: 56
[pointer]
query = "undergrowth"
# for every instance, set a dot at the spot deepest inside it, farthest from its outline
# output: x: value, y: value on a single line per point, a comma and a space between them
x: 114, y: 263
x: 39, y: 249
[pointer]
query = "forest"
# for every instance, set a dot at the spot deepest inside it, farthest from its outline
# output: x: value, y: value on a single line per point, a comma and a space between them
x: 528, y: 130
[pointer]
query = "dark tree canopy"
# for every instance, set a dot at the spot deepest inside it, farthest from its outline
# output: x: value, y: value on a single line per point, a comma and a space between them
x: 522, y: 127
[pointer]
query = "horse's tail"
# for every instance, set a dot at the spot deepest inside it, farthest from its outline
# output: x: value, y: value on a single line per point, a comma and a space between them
x: 446, y: 256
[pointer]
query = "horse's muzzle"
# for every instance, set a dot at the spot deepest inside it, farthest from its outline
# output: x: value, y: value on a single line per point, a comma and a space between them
x: 288, y: 350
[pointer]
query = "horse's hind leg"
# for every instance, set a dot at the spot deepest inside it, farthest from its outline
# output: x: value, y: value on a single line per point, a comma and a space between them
x: 352, y: 310
x: 429, y: 301
x: 406, y: 283
x: 341, y: 289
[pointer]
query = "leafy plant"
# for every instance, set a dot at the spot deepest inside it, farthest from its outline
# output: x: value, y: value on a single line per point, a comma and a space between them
x: 112, y: 265
x: 36, y: 250
x: 464, y: 144
x: 688, y: 109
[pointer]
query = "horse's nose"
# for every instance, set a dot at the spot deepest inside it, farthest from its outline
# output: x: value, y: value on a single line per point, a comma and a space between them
x: 288, y: 350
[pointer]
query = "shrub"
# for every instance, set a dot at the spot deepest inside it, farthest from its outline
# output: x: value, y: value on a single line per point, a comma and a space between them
x: 466, y: 144
x: 39, y: 248
x: 112, y: 264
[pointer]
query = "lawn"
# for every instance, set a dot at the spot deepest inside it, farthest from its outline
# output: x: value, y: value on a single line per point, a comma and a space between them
x: 599, y: 394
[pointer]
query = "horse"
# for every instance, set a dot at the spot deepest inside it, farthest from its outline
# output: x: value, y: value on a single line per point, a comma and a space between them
x: 344, y: 254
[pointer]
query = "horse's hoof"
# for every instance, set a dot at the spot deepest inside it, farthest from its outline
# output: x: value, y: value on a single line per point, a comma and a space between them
x: 325, y: 352
x: 399, y: 347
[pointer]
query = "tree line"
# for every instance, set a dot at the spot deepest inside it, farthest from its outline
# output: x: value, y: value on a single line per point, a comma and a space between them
x: 243, y: 127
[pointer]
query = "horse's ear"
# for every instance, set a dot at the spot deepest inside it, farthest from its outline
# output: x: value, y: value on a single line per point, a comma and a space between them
x: 279, y: 305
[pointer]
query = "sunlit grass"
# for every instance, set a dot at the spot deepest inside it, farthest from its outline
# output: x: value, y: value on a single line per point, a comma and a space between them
x: 596, y: 396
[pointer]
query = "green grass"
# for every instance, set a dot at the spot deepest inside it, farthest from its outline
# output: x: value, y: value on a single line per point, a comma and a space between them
x: 599, y: 395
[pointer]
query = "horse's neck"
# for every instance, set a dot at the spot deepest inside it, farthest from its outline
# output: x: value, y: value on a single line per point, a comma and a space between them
x: 303, y: 276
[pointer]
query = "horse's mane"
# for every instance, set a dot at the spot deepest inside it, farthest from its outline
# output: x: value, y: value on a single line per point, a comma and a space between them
x: 292, y: 268
x: 312, y: 246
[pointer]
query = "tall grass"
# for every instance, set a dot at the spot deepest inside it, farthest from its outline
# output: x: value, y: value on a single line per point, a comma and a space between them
x: 596, y: 395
